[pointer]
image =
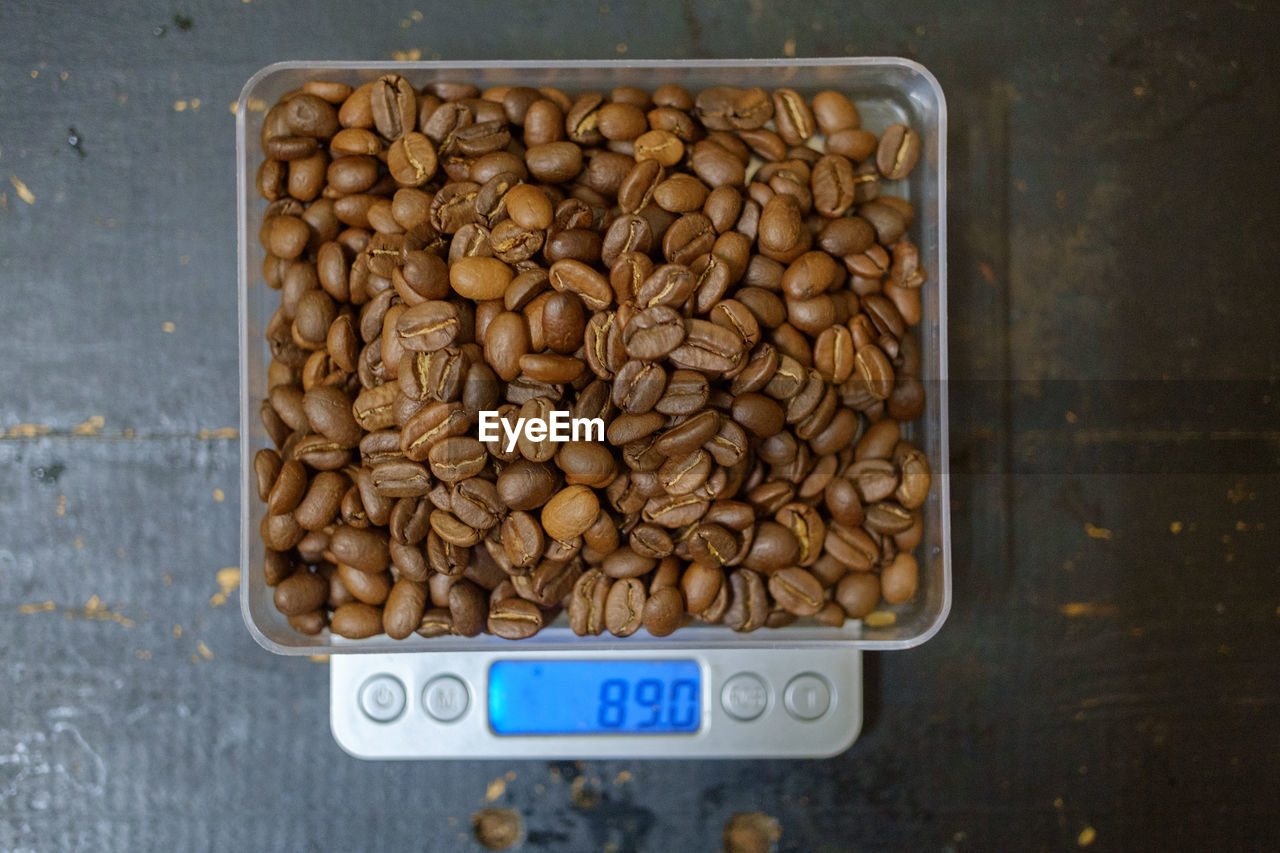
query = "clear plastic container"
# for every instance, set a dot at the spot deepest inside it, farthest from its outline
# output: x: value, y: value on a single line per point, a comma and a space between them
x: 885, y: 89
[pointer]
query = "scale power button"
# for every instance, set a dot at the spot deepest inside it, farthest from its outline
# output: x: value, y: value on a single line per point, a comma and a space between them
x: 382, y: 698
x: 744, y: 696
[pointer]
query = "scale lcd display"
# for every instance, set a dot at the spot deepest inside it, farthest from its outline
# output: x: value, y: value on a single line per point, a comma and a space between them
x: 579, y: 697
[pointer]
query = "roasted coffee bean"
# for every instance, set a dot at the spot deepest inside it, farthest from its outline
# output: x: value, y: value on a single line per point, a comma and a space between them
x: 898, y: 151
x: 394, y: 106
x: 365, y: 549
x: 514, y: 619
x: 759, y: 414
x: 858, y: 593
x: 570, y: 512
x: 708, y: 347
x: 624, y: 607
x: 638, y: 386
x: 748, y: 601
x: 288, y: 489
x: 300, y: 593
x: 588, y: 603
x: 522, y: 539
x: 356, y: 621
x: 915, y: 478
x: 457, y: 458
x: 834, y: 112
x: 364, y: 586
x: 653, y: 333
x: 727, y: 108
x: 773, y: 548
x: 402, y: 614
x: 586, y: 463
x: 663, y: 611
x: 793, y: 116
x: 796, y: 591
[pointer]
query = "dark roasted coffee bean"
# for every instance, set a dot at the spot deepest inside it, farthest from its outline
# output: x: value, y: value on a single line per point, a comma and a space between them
x: 663, y: 611
x: 653, y: 333
x: 394, y: 106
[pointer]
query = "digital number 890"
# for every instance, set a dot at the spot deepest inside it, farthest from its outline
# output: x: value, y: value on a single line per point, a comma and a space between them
x: 681, y: 703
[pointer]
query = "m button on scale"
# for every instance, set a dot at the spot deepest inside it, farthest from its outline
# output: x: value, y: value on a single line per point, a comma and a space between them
x: 445, y: 698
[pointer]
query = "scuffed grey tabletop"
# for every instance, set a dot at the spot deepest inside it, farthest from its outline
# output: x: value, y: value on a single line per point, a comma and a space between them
x: 1107, y: 679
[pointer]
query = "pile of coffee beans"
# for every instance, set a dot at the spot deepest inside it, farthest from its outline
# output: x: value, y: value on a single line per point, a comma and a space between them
x: 720, y: 278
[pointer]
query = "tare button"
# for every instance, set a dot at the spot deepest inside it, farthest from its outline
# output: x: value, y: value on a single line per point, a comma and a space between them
x: 744, y: 696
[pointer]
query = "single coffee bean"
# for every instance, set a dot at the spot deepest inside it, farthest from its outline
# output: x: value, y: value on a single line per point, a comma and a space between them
x: 708, y: 347
x: 834, y: 112
x: 748, y: 601
x: 402, y: 614
x: 363, y: 586
x: 773, y: 548
x: 858, y: 593
x: 833, y: 354
x: 588, y: 602
x: 411, y: 159
x: 394, y: 106
x: 457, y: 458
x: 522, y: 539
x: 663, y: 612
x: 570, y: 512
x: 624, y: 607
x: 468, y: 608
x: 526, y: 485
x: 898, y: 151
x: 356, y: 621
x: 429, y: 326
x: 915, y: 479
x: 796, y: 591
x: 300, y: 593
x: 586, y: 463
x: 572, y: 276
x: 653, y: 333
x: 874, y: 371
x: 759, y: 414
x: 266, y: 467
x: 887, y: 517
x: 514, y: 619
x: 793, y: 117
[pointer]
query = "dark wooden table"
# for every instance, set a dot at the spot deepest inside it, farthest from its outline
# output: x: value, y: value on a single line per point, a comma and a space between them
x: 1110, y: 675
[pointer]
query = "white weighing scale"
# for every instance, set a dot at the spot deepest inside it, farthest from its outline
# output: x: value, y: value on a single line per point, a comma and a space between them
x: 642, y: 703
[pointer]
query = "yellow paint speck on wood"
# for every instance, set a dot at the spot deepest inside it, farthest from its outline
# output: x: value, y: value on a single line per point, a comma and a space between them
x: 168, y: 579
x: 177, y: 632
x: 220, y: 432
x: 180, y: 106
x: 1086, y: 608
x: 1071, y: 417
x: 1175, y: 527
x: 217, y: 600
x: 195, y: 103
x: 42, y: 607
x: 62, y: 505
x: 143, y: 654
x: 28, y: 430
x: 228, y: 579
x: 23, y: 192
x: 1087, y: 836
x: 318, y: 658
x: 1094, y: 532
x: 789, y: 47
x: 205, y: 651
x: 622, y: 778
x: 621, y: 47
x: 219, y: 495
x: 79, y: 543
x: 92, y: 426
x: 167, y: 327
x: 235, y: 107
x: 495, y: 789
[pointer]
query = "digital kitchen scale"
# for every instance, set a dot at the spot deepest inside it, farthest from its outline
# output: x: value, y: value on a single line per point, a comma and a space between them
x: 645, y: 703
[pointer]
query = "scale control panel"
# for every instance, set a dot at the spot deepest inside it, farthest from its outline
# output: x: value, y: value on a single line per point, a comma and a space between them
x: 727, y: 703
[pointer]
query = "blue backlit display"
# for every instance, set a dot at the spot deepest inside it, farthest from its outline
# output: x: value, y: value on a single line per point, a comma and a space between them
x: 577, y: 697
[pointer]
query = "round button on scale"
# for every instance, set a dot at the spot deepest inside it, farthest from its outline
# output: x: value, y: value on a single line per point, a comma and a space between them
x: 744, y: 696
x: 382, y: 698
x: 445, y: 698
x: 807, y: 696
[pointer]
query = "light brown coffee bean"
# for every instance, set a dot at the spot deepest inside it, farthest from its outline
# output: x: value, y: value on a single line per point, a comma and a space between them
x: 624, y: 607
x: 796, y: 591
x: 300, y: 593
x: 356, y: 621
x: 858, y: 593
x: 898, y: 151
x: 514, y: 619
x: 588, y: 603
x: 663, y: 611
x: 570, y: 512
